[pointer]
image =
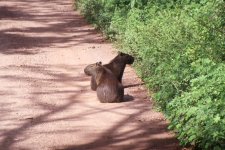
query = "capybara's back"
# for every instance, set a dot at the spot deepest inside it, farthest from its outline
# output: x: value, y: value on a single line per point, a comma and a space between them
x: 109, y: 89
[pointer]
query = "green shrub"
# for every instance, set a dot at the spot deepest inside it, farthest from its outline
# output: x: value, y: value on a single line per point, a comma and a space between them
x: 198, y: 115
x: 180, y: 52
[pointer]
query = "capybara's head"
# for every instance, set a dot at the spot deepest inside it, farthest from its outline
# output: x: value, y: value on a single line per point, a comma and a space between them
x: 88, y: 70
x: 126, y: 58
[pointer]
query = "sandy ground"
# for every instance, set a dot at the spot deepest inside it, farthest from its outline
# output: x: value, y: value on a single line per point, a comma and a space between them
x: 45, y: 98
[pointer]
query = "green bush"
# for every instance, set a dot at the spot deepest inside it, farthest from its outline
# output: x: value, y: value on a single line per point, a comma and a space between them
x: 198, y: 115
x: 180, y: 52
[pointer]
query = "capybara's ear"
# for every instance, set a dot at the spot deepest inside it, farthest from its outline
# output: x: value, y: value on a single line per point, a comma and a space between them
x: 98, y: 63
x: 121, y: 53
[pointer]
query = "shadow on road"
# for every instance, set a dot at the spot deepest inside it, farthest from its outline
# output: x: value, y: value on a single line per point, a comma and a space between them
x: 47, y: 81
x: 38, y: 32
x: 143, y: 134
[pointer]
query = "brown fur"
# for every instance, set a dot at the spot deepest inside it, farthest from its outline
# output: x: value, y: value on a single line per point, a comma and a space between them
x: 88, y: 69
x: 109, y: 89
x: 116, y: 66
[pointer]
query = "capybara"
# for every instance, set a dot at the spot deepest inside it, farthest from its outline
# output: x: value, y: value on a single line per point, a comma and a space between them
x: 116, y: 66
x: 109, y: 89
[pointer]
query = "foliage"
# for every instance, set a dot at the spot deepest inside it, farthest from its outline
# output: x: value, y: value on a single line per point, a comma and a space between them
x: 180, y: 52
x: 200, y: 118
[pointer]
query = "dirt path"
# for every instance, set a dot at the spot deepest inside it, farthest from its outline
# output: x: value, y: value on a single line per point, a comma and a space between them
x: 45, y: 99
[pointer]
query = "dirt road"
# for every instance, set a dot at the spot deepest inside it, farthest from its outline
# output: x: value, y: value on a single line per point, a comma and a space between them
x: 45, y: 98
